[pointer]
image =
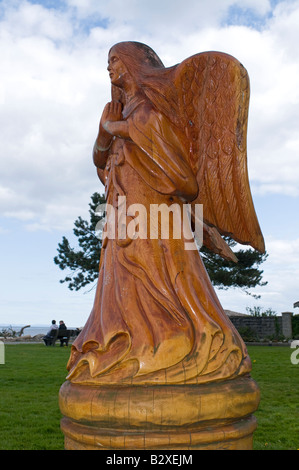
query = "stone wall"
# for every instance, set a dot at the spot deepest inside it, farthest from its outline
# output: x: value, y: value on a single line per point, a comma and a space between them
x: 265, y: 327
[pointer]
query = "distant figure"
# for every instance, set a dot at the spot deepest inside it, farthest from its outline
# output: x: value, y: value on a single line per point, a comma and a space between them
x: 62, y: 325
x: 49, y: 336
x: 63, y: 334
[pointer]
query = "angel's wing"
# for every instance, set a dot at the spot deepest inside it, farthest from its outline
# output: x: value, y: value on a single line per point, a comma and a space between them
x: 213, y: 94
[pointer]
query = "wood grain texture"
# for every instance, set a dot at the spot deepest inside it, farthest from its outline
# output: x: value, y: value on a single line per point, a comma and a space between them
x: 157, y: 337
x: 217, y: 416
x: 213, y: 92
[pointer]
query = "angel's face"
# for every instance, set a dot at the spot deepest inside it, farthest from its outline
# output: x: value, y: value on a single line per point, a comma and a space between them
x: 117, y: 69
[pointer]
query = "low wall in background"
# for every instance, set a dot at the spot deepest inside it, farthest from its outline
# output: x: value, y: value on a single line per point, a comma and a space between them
x: 265, y: 327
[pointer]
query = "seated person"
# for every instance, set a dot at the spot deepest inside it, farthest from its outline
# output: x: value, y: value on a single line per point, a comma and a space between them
x: 49, y: 336
x: 62, y: 326
x: 62, y: 332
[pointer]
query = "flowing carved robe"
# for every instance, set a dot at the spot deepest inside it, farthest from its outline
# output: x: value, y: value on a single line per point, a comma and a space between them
x: 156, y: 318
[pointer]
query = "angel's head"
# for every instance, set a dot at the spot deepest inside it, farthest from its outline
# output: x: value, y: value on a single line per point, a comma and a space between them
x: 131, y: 61
x: 134, y: 58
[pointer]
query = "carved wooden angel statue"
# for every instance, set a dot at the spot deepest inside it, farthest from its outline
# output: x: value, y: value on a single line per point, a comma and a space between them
x: 169, y: 136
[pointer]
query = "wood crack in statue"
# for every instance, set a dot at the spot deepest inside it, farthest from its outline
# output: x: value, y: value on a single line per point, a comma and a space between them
x: 169, y: 136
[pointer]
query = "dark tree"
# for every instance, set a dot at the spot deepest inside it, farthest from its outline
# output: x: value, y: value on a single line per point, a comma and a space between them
x: 83, y: 262
x: 225, y: 274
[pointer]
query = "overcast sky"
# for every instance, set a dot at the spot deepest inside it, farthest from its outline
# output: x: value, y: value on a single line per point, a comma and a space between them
x: 53, y: 87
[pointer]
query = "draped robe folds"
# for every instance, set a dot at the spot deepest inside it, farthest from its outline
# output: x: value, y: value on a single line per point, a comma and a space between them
x: 156, y: 318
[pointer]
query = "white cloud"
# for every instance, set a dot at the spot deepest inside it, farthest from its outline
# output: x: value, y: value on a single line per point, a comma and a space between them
x: 261, y: 7
x: 154, y: 15
x: 54, y: 85
x: 280, y: 271
x: 24, y: 19
x: 284, y: 252
x: 48, y: 118
x: 270, y: 55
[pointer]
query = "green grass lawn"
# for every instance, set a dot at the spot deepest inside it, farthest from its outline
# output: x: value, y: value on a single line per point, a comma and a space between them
x: 32, y: 375
x: 29, y: 385
x: 278, y: 413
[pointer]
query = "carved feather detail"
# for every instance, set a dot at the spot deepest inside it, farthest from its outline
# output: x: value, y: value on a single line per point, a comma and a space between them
x: 213, y: 93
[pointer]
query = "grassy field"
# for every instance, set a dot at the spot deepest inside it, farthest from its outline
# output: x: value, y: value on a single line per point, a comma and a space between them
x: 278, y: 413
x: 29, y: 384
x: 32, y: 375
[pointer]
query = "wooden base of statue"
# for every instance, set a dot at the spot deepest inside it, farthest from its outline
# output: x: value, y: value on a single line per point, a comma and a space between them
x: 161, y: 417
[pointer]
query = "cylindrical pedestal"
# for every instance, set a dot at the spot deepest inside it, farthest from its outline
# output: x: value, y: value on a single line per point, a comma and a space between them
x: 177, y: 417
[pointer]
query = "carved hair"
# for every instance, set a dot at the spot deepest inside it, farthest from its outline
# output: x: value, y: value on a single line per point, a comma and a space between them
x: 151, y: 76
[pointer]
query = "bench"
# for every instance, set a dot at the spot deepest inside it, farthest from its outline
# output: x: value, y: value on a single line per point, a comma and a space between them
x: 62, y: 335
